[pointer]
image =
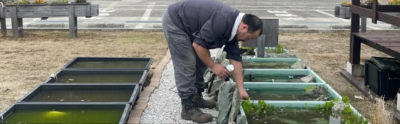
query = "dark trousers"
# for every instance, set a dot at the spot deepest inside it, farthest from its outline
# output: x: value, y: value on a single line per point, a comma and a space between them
x: 188, y: 67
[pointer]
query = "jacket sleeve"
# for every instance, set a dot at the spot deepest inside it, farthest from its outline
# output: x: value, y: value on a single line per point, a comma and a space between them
x: 211, y: 31
x: 233, y: 51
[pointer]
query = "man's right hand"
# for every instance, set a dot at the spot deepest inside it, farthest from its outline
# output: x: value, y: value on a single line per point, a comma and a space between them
x: 220, y: 71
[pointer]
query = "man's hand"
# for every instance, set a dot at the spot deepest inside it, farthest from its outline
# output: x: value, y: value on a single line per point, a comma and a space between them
x: 220, y: 71
x: 243, y: 93
x: 238, y: 77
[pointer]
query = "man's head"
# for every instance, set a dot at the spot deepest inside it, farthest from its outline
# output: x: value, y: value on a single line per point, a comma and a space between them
x: 250, y: 27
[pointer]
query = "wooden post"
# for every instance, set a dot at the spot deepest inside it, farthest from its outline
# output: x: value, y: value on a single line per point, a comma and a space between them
x: 3, y: 26
x: 355, y: 44
x: 3, y: 20
x: 261, y: 46
x: 16, y: 22
x: 73, y: 22
x: 270, y: 31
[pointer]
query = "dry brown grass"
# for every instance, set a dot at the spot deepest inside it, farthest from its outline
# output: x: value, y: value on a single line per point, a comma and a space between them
x: 378, y: 113
x: 327, y: 54
x: 26, y: 62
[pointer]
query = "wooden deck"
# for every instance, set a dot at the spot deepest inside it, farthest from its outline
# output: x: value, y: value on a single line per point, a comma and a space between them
x: 388, y: 43
x: 385, y: 42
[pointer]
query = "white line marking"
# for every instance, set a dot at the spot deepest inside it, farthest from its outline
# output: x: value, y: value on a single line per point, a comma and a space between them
x: 275, y: 11
x: 104, y: 14
x: 285, y: 15
x: 328, y: 14
x: 281, y: 13
x: 292, y: 19
x: 146, y: 15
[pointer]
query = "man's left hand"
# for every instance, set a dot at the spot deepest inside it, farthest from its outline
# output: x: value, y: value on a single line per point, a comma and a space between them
x: 243, y: 93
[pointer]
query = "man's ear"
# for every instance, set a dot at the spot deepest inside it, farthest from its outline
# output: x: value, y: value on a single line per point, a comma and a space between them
x: 245, y: 27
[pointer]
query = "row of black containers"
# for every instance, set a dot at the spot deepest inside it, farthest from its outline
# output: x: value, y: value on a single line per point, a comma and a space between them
x: 89, y: 83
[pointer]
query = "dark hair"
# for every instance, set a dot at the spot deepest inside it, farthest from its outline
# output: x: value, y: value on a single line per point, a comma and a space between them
x: 253, y: 22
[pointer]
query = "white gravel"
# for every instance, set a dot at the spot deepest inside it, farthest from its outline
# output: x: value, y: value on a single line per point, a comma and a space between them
x: 164, y: 105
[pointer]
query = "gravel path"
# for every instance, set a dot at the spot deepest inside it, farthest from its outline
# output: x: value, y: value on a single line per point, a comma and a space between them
x: 164, y: 105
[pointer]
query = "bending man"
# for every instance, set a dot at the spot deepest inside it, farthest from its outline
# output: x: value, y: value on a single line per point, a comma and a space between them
x: 191, y: 28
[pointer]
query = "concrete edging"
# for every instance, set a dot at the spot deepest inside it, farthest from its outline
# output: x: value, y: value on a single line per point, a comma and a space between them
x: 144, y: 97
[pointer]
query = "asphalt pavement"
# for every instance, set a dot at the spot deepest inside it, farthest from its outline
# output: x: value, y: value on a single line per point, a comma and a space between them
x: 146, y: 14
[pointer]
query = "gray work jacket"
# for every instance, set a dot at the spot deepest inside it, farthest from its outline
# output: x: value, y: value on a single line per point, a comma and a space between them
x: 208, y: 23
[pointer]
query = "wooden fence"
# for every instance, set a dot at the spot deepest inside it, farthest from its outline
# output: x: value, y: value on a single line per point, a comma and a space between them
x: 44, y: 11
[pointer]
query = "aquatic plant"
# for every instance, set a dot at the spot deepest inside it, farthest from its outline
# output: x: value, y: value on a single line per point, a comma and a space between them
x: 250, y: 50
x: 261, y: 109
x: 279, y: 49
x: 308, y: 88
x: 253, y: 110
x: 347, y: 114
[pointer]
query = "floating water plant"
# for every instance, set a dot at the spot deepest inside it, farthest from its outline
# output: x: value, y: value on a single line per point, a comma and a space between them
x: 262, y: 112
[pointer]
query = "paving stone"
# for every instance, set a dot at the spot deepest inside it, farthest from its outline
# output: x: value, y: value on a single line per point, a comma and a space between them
x: 134, y: 120
x: 143, y: 99
x: 136, y: 113
x: 145, y: 94
x: 156, y: 75
x: 155, y: 83
x: 149, y: 89
x: 141, y: 106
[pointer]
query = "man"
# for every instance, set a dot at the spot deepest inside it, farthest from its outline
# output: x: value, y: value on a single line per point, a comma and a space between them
x: 191, y: 28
